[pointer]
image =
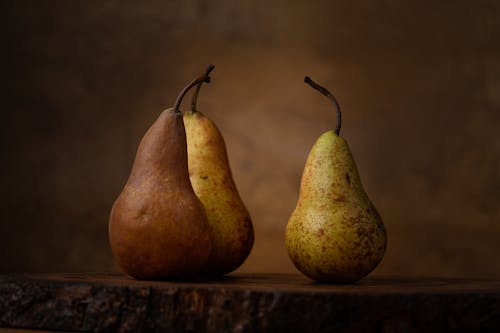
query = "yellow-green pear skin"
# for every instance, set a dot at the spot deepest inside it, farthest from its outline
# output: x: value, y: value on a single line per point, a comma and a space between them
x: 335, y: 233
x: 211, y: 177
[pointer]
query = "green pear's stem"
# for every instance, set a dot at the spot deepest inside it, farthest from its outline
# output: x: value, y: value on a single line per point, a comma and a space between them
x: 330, y: 96
x: 209, y: 69
x: 201, y: 79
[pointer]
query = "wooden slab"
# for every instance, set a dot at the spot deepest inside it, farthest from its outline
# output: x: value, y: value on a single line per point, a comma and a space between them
x: 247, y: 303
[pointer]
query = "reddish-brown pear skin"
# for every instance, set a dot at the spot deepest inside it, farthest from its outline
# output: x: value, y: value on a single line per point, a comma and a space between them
x: 158, y: 227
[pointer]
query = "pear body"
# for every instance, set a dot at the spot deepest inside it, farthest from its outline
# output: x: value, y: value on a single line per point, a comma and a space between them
x: 335, y: 233
x: 211, y: 177
x: 158, y: 227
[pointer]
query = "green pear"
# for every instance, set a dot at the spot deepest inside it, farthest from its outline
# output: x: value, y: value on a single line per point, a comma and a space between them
x: 210, y: 174
x: 158, y: 227
x: 335, y: 233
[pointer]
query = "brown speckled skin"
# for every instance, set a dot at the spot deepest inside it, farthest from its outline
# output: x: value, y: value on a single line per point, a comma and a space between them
x: 158, y: 227
x: 335, y: 234
x: 229, y: 220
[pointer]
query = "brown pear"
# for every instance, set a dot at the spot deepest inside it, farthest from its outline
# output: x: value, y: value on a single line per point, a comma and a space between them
x: 210, y: 174
x: 158, y: 227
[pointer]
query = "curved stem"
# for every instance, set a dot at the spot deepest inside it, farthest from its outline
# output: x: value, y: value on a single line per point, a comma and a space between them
x: 196, y: 92
x: 330, y: 96
x: 201, y: 79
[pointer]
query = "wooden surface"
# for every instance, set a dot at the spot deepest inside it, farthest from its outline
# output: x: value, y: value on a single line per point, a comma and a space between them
x: 247, y: 303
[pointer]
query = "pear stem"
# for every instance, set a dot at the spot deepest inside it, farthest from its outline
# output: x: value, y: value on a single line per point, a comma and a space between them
x: 201, y: 79
x: 330, y: 96
x: 209, y: 69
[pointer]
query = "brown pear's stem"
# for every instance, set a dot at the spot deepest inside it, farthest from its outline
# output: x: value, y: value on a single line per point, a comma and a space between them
x: 204, y: 78
x: 209, y: 69
x: 330, y: 96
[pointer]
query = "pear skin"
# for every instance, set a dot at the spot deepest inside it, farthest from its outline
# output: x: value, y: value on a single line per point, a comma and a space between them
x: 210, y: 174
x: 212, y: 180
x: 335, y: 233
x: 158, y: 227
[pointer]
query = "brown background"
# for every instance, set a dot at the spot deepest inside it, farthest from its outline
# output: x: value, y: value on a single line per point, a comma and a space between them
x: 419, y: 82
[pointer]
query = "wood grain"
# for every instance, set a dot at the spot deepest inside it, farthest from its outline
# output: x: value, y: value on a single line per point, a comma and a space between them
x: 247, y: 303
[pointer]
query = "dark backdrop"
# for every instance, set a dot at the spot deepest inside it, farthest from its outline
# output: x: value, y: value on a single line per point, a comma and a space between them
x: 419, y: 82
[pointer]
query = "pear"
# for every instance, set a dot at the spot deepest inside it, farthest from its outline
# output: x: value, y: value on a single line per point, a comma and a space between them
x: 210, y: 174
x: 158, y: 227
x: 335, y: 233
